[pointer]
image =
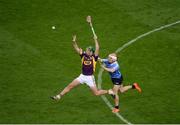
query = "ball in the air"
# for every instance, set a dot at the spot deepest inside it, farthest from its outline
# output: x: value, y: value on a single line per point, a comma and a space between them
x: 53, y: 27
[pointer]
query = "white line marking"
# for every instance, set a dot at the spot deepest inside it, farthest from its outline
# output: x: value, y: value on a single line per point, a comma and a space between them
x: 119, y: 50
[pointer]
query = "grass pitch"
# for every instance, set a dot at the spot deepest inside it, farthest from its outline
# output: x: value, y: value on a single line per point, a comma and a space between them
x: 36, y: 61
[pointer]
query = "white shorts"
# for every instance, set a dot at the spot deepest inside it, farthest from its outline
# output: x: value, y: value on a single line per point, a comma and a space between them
x: 88, y: 80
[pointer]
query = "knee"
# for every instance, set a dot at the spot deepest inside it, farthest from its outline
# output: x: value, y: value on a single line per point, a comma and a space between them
x: 96, y: 93
x: 122, y: 91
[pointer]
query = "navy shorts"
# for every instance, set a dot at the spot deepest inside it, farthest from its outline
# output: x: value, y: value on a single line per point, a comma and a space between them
x: 117, y: 81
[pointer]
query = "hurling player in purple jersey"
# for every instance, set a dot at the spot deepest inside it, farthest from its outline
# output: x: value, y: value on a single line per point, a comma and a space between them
x: 88, y: 59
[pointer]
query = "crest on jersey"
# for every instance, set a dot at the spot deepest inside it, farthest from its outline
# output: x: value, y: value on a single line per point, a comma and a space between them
x: 87, y: 62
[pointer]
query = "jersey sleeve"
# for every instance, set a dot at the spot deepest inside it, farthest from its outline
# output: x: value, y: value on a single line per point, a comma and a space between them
x: 96, y: 57
x: 104, y: 60
x: 116, y: 66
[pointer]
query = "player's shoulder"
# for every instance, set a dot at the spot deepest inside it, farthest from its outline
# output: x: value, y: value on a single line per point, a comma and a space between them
x: 95, y: 55
x: 83, y: 54
x: 115, y: 63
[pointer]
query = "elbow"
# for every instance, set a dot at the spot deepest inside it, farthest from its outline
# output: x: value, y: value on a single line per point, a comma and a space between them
x: 112, y: 70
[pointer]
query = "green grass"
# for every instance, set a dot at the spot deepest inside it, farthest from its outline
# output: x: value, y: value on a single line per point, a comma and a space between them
x: 36, y: 61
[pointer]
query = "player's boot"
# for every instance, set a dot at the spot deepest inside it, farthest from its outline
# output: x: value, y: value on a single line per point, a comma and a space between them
x: 137, y: 87
x: 115, y: 110
x: 57, y: 97
x: 110, y: 92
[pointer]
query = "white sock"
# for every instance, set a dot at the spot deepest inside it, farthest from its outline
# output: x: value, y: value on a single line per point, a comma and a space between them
x: 58, y: 96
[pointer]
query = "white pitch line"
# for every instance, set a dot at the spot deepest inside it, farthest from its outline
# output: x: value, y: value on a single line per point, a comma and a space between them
x: 119, y: 50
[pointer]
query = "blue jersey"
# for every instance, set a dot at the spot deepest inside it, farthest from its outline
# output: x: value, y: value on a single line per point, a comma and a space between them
x: 114, y: 65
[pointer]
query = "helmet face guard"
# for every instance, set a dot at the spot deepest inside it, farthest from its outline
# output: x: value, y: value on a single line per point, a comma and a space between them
x: 91, y: 48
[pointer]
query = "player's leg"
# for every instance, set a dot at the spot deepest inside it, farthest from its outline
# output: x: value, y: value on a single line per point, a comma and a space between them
x: 73, y: 84
x: 123, y: 89
x: 97, y: 92
x: 116, y: 100
x: 90, y: 81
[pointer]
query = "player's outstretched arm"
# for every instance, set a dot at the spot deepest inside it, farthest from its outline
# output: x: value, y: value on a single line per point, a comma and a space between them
x: 96, y: 45
x: 89, y: 20
x: 108, y: 69
x: 78, y: 50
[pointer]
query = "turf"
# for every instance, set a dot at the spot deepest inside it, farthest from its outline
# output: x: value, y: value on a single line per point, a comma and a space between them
x: 36, y: 61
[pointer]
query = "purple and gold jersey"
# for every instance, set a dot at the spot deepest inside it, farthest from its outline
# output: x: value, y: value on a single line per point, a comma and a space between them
x: 88, y: 63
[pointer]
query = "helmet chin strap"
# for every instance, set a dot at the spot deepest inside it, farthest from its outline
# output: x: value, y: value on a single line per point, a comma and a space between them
x: 113, y: 57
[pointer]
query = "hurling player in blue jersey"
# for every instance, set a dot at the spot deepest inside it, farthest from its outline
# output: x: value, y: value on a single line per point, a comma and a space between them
x: 111, y: 65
